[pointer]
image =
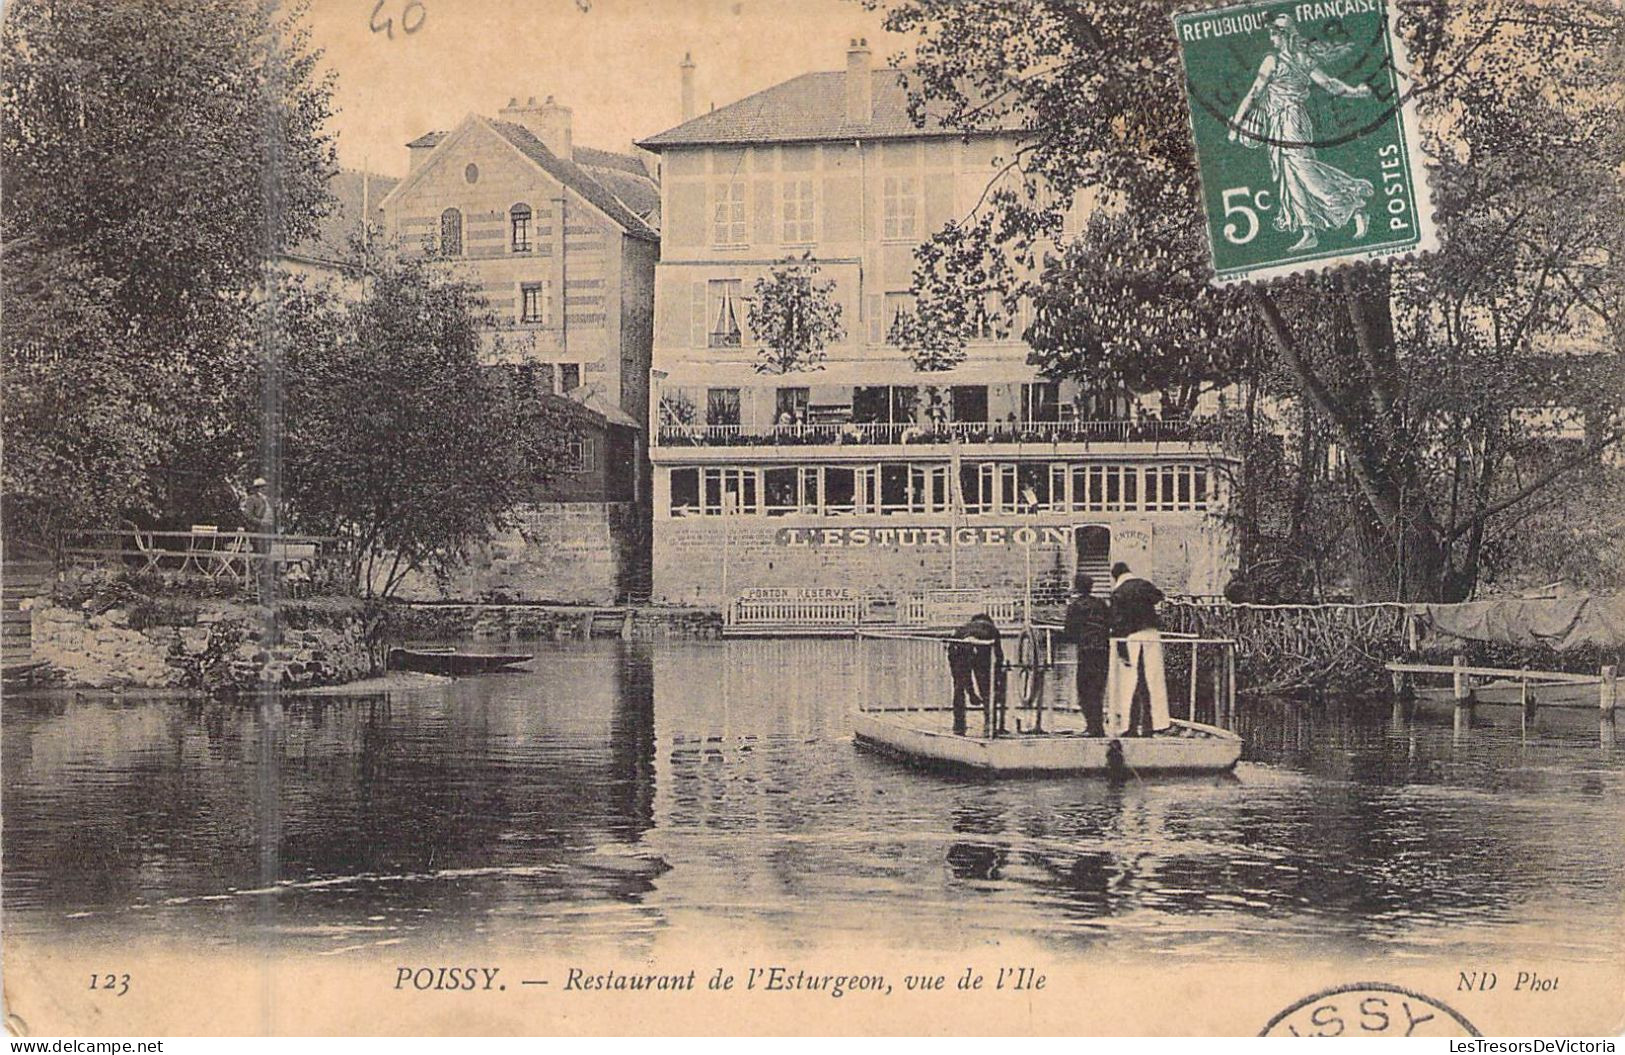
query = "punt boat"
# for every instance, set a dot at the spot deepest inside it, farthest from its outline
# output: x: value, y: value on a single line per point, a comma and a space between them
x: 450, y: 661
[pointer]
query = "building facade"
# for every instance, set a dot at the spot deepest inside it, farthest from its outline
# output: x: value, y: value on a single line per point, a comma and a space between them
x: 562, y: 241
x: 868, y: 474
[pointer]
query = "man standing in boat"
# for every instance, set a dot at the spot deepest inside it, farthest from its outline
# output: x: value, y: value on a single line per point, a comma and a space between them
x: 1088, y: 627
x: 1139, y: 656
x: 969, y: 664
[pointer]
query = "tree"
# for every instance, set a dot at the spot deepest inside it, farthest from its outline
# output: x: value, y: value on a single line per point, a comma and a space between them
x: 395, y: 437
x: 1509, y: 92
x: 795, y: 316
x: 155, y: 155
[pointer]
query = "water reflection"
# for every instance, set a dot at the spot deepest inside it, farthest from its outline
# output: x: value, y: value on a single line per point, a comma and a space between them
x: 624, y: 792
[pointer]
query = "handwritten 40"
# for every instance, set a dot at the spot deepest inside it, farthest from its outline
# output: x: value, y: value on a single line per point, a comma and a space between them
x: 412, y: 16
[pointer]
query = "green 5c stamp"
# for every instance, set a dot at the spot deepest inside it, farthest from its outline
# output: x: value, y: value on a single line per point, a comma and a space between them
x: 1306, y: 137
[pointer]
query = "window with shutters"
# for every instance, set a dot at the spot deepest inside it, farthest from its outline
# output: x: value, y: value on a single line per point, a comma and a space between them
x: 578, y: 456
x: 988, y: 321
x: 519, y: 228
x: 728, y: 215
x: 724, y: 311
x: 900, y: 208
x: 1041, y: 401
x: 799, y: 228
x: 722, y: 406
x: 897, y: 306
x: 533, y: 303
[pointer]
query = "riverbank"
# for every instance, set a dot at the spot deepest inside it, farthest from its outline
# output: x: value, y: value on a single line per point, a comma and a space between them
x: 214, y: 645
x: 541, y: 622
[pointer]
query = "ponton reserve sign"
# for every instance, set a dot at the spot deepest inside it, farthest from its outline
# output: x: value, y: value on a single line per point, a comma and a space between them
x: 862, y: 537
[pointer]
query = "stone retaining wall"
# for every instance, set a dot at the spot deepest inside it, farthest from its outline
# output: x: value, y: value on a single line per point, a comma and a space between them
x: 207, y: 645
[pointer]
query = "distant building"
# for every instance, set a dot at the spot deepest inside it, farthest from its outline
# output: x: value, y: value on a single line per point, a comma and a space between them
x: 331, y: 254
x: 868, y: 474
x: 562, y: 241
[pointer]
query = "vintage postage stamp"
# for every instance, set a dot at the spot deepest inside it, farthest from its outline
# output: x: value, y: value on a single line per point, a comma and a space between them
x: 1306, y: 136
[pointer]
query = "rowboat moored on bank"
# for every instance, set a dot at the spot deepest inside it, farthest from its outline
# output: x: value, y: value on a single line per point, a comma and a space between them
x: 447, y: 661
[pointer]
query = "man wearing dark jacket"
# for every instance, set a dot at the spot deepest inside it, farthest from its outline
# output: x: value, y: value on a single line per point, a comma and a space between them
x: 1088, y: 627
x: 970, y: 667
x: 1134, y: 617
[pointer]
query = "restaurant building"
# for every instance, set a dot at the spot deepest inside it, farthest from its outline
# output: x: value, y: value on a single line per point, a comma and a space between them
x: 866, y: 476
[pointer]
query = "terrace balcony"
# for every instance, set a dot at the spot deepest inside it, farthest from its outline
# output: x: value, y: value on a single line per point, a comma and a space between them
x: 848, y: 433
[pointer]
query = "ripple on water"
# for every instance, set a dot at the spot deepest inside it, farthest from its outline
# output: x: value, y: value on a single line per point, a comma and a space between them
x: 622, y: 791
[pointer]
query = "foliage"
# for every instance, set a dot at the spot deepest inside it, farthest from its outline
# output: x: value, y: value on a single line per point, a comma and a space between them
x: 155, y: 155
x: 794, y: 316
x: 395, y: 437
x: 963, y: 289
x: 1381, y: 357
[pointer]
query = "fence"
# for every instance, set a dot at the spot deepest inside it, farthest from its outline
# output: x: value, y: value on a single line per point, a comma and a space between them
x: 951, y: 607
x: 908, y: 671
x: 834, y: 433
x: 809, y: 615
x: 302, y: 563
x: 1293, y: 646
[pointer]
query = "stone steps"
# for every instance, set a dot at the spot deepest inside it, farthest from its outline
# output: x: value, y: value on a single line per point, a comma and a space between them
x: 20, y: 580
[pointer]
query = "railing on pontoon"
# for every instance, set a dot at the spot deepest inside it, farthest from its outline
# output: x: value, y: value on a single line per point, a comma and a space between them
x: 908, y: 671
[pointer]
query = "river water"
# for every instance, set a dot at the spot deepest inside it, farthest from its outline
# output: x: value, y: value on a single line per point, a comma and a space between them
x: 628, y: 793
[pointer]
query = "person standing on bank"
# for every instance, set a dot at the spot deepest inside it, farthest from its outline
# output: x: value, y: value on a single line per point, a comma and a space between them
x: 1134, y: 619
x: 259, y: 517
x: 1088, y: 627
x: 970, y: 666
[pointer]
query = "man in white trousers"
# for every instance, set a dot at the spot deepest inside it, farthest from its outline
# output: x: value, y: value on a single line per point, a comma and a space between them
x: 1137, y: 659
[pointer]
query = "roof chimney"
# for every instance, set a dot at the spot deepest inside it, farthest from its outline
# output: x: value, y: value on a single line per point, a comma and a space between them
x: 860, y: 84
x: 687, y: 66
x: 548, y: 122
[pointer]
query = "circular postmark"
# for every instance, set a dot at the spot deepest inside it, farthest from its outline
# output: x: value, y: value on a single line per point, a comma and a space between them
x: 1369, y: 1009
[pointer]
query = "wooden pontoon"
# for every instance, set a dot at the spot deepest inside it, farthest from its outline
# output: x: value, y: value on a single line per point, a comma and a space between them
x: 926, y: 738
x: 1037, y: 729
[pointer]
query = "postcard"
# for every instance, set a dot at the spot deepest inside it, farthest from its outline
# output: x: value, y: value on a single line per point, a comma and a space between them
x: 753, y: 517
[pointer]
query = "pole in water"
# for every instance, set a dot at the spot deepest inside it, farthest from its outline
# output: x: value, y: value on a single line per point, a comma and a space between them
x: 1116, y: 764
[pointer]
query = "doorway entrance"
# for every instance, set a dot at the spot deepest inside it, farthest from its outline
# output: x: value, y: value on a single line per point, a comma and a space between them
x: 1094, y: 547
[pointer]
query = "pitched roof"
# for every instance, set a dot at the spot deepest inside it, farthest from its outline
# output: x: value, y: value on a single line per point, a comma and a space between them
x: 353, y: 193
x: 811, y: 107
x: 610, y: 159
x: 591, y: 395
x: 577, y: 178
x: 427, y: 139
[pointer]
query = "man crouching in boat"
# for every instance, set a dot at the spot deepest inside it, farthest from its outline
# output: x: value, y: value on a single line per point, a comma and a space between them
x: 972, y: 672
x: 1139, y: 658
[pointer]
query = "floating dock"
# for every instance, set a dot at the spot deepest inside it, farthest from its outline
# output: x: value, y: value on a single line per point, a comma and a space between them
x: 926, y: 737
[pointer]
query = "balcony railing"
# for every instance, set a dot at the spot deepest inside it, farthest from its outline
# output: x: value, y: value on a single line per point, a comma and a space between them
x: 833, y: 433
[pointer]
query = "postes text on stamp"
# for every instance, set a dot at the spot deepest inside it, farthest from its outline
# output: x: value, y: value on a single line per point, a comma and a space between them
x: 1305, y: 129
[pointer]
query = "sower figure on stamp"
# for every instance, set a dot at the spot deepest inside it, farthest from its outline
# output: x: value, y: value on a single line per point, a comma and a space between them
x: 971, y: 667
x: 1088, y: 627
x: 1139, y: 657
x: 1310, y: 195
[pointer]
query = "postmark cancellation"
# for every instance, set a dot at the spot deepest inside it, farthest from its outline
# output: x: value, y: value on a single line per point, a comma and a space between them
x: 1304, y: 121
